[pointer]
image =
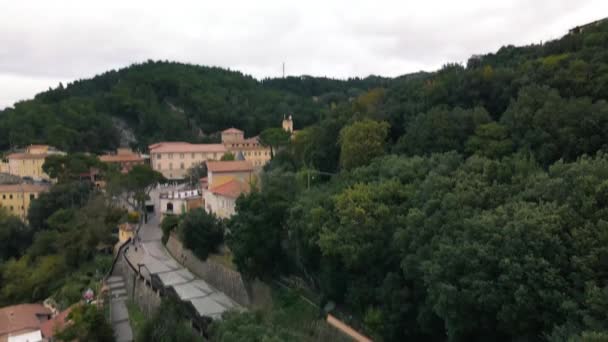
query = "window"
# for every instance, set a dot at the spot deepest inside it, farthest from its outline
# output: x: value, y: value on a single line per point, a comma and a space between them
x: 10, y: 196
x: 32, y: 196
x: 3, y: 196
x: 170, y: 166
x: 158, y: 156
x: 181, y: 156
x: 181, y: 166
x: 11, y: 208
x: 192, y: 155
x: 170, y: 155
x: 214, y: 155
x: 170, y: 207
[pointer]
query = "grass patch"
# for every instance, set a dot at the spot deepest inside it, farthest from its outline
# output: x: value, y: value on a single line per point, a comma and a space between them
x: 136, y: 318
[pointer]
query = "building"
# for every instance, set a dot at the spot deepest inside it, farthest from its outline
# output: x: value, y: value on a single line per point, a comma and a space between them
x: 57, y: 323
x: 173, y: 159
x: 179, y: 202
x: 28, y: 163
x: 220, y: 172
x: 126, y: 231
x: 124, y: 159
x: 23, y: 322
x: 288, y: 124
x: 16, y: 198
x: 225, y: 182
x: 221, y: 199
x: 250, y: 149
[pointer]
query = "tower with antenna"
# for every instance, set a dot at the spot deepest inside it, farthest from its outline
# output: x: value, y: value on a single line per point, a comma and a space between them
x: 283, y: 69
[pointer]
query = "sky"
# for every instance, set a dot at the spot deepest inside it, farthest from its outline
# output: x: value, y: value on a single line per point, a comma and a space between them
x: 43, y: 42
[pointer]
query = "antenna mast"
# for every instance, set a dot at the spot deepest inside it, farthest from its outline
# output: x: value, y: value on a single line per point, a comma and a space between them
x: 283, y: 69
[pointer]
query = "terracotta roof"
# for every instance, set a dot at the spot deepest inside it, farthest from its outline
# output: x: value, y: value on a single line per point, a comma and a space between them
x: 23, y: 188
x: 232, y: 189
x: 55, y: 324
x: 229, y: 166
x: 232, y: 130
x: 26, y: 156
x: 118, y: 158
x: 184, y: 147
x: 21, y: 317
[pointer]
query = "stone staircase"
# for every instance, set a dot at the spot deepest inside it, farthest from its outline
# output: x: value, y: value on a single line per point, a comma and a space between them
x: 119, y: 315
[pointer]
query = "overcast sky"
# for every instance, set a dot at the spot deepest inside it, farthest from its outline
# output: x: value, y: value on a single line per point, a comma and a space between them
x: 43, y: 42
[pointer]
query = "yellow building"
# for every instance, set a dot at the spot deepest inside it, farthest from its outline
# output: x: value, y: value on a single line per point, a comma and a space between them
x: 173, y: 159
x: 29, y: 163
x: 249, y: 149
x: 226, y: 181
x: 126, y: 231
x: 16, y: 198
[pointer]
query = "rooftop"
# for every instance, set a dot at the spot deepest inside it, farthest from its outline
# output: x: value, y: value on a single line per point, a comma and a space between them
x: 26, y: 156
x: 23, y: 188
x: 22, y: 317
x: 229, y: 166
x: 56, y: 323
x: 232, y: 130
x: 231, y: 189
x: 184, y: 147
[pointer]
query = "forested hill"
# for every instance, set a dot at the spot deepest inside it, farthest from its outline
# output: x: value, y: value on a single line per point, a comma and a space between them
x: 173, y: 101
x: 166, y: 101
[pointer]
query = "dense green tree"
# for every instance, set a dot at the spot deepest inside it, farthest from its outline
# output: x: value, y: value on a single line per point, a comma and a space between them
x: 362, y: 141
x: 15, y: 236
x: 134, y: 187
x: 60, y: 196
x: 257, y: 229
x: 274, y: 138
x: 69, y: 167
x: 168, y: 323
x: 87, y: 323
x: 202, y: 232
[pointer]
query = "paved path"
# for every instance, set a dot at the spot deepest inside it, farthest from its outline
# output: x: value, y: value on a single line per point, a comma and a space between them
x: 119, y: 315
x: 149, y: 255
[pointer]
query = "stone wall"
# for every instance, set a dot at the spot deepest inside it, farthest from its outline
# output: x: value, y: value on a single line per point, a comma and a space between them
x: 219, y: 276
x: 138, y: 290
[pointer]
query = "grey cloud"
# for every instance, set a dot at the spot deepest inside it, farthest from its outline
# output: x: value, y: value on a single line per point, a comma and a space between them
x: 69, y: 39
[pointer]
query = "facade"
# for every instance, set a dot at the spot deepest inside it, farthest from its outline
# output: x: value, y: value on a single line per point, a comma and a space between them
x: 29, y: 162
x: 221, y: 199
x: 124, y: 158
x: 225, y: 182
x: 220, y: 172
x: 288, y: 124
x: 23, y: 322
x: 126, y: 231
x: 250, y: 149
x: 179, y: 202
x: 16, y: 198
x: 173, y: 159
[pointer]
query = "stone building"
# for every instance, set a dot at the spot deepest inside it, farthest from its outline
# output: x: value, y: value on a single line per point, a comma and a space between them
x: 28, y: 163
x: 16, y: 198
x: 173, y: 159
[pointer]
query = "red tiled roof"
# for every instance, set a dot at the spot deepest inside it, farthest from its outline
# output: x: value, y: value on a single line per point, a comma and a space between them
x: 232, y: 130
x: 231, y: 189
x: 184, y: 147
x: 55, y: 324
x: 21, y: 317
x: 229, y: 166
x: 23, y: 188
x: 26, y: 156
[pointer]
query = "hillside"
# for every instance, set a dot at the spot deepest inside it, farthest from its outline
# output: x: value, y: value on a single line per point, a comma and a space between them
x: 164, y: 101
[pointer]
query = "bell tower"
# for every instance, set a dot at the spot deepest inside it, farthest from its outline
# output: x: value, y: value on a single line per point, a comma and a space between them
x: 288, y: 124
